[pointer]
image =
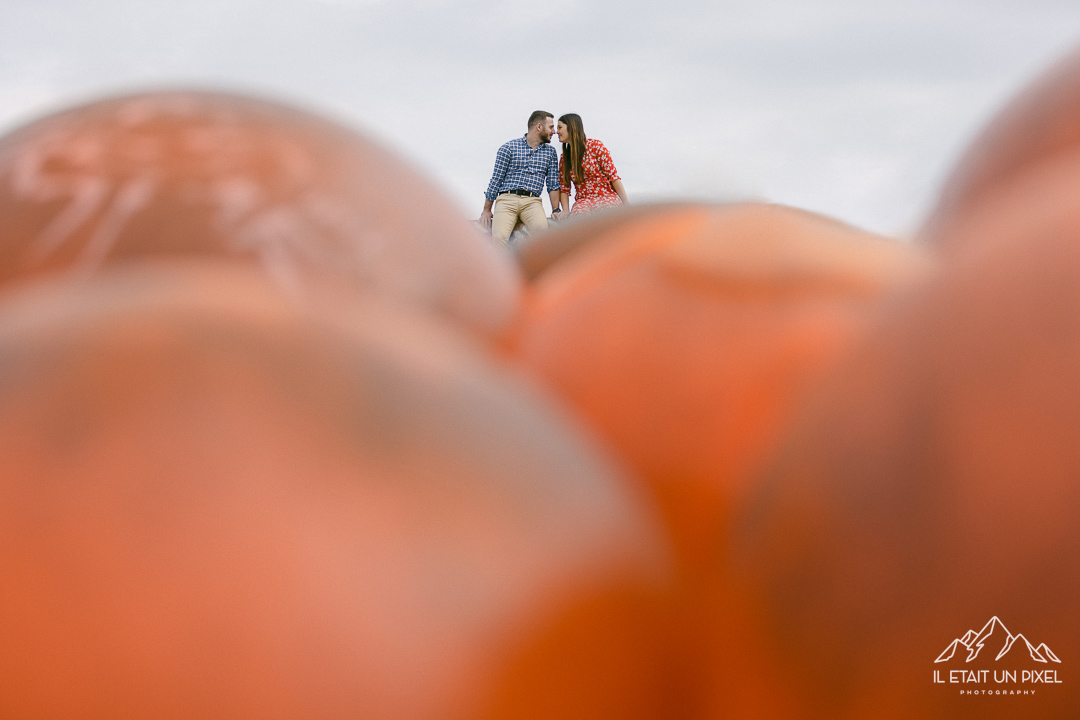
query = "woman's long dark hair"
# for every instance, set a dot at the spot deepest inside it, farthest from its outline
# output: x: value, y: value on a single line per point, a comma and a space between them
x: 573, y: 151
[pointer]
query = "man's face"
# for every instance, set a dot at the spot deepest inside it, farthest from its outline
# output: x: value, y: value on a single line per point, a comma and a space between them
x: 546, y: 129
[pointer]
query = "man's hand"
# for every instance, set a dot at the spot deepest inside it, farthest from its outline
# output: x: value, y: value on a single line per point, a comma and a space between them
x: 556, y: 214
x: 485, y: 219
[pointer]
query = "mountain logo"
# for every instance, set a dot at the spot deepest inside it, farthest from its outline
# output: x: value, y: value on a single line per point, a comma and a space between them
x: 994, y: 635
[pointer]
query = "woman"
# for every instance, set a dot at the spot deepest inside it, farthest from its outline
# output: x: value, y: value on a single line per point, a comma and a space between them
x: 587, y: 165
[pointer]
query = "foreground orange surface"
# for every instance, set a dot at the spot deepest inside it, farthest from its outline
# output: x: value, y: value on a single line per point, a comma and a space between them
x: 686, y: 335
x: 215, y: 505
x: 933, y: 485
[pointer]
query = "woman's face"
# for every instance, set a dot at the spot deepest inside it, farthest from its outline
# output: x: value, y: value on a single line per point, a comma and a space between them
x: 564, y: 133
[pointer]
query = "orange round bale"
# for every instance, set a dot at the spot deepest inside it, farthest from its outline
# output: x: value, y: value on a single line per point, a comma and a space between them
x: 213, y: 505
x: 933, y: 487
x: 537, y: 255
x: 177, y: 174
x: 1041, y: 125
x: 686, y: 335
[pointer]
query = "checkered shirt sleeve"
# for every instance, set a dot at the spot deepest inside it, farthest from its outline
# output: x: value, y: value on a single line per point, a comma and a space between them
x: 552, y: 180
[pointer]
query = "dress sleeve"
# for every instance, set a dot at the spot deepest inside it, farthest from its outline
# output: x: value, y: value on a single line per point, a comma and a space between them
x: 563, y: 185
x: 603, y: 160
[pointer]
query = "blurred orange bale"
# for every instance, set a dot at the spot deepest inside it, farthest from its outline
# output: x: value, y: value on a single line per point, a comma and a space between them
x: 321, y: 209
x: 1040, y: 126
x: 687, y: 334
x: 933, y: 485
x: 214, y: 504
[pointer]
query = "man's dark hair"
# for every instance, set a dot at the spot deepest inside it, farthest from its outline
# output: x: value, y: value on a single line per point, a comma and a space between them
x: 538, y: 116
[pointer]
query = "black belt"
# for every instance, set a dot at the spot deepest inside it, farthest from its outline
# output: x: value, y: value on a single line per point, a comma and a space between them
x: 519, y: 191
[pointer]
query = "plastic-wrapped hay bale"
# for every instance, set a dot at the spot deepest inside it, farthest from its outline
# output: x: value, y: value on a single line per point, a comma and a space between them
x: 215, y: 505
x: 687, y: 334
x: 934, y: 488
x: 321, y: 209
x: 1040, y: 126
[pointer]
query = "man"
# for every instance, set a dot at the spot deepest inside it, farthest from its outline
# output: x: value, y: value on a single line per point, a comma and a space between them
x: 522, y: 168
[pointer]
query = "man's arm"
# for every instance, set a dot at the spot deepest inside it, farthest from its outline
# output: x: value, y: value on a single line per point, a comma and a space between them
x: 552, y: 179
x: 485, y: 215
x: 554, y: 196
x: 502, y: 164
x: 564, y: 203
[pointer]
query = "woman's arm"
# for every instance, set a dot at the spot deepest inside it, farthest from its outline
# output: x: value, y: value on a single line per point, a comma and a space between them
x: 617, y: 186
x: 607, y: 168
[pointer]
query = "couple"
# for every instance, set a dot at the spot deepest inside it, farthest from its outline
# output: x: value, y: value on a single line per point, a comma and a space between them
x: 525, y: 165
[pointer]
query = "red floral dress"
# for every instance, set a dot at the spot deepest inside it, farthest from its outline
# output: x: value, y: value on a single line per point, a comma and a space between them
x: 599, y: 171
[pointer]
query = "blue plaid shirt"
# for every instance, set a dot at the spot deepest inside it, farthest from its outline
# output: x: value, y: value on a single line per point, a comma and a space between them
x: 519, y: 166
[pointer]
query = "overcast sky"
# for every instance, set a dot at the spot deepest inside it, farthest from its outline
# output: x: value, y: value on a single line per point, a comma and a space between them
x: 853, y: 108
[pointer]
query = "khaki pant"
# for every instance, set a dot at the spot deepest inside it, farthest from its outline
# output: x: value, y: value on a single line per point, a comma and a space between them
x: 508, y: 208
